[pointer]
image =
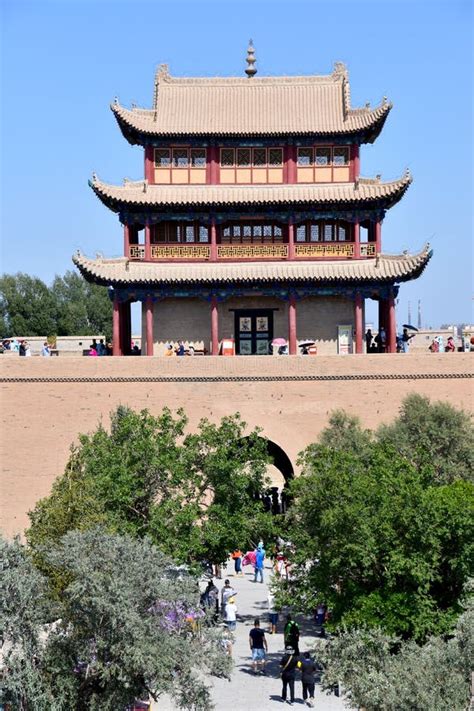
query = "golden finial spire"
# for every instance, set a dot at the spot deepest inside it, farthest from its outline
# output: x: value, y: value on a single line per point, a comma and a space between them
x: 251, y: 69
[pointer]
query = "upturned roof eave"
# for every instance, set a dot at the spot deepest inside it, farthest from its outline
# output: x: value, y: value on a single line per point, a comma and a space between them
x: 118, y: 204
x: 410, y: 267
x: 137, y: 135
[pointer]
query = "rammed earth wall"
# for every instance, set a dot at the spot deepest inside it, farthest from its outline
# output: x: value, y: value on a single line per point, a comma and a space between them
x: 46, y: 402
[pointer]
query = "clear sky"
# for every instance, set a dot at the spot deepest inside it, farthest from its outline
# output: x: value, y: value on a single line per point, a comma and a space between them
x: 64, y: 61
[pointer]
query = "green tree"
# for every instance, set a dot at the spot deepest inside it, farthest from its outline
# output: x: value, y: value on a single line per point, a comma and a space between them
x: 71, y: 306
x: 433, y: 433
x: 126, y: 626
x: 27, y: 307
x: 82, y: 308
x: 380, y: 544
x: 192, y: 494
x: 382, y: 673
x: 344, y: 432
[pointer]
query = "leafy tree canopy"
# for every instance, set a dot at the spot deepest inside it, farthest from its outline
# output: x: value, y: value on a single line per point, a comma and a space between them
x: 436, y: 434
x: 126, y: 626
x: 27, y: 306
x: 381, y: 673
x: 71, y: 306
x: 378, y: 542
x: 192, y: 494
x: 433, y: 433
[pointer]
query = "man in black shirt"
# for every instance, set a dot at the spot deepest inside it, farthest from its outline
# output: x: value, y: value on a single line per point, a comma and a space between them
x: 308, y: 668
x: 258, y: 646
x: 288, y: 666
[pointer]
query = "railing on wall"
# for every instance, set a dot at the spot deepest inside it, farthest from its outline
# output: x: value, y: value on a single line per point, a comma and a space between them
x: 334, y: 249
x: 202, y: 252
x: 367, y: 250
x: 180, y: 251
x: 252, y: 251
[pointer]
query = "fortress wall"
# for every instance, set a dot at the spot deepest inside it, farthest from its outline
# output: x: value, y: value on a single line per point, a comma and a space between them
x: 46, y: 402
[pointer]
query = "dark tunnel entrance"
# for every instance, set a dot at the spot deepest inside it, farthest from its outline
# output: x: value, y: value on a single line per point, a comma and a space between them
x: 280, y: 471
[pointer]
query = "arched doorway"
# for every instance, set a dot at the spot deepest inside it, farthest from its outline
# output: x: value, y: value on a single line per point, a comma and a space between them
x: 280, y: 472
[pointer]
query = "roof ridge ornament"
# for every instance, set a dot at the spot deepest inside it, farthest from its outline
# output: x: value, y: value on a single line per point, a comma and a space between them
x: 251, y: 68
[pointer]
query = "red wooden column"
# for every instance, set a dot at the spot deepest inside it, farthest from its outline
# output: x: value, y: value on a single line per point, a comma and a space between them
x: 358, y: 323
x: 391, y: 325
x: 289, y: 172
x: 212, y: 172
x: 357, y: 240
x: 149, y: 164
x: 116, y: 342
x: 147, y: 243
x: 149, y: 325
x: 291, y: 238
x: 355, y: 156
x: 213, y: 240
x: 378, y: 236
x: 126, y: 328
x: 292, y: 324
x: 383, y: 314
x: 126, y: 240
x: 214, y: 327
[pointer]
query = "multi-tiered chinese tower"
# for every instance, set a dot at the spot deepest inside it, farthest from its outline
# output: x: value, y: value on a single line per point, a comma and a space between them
x: 252, y: 221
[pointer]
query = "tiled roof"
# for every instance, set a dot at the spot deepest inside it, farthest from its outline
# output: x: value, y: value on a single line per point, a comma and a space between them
x: 141, y: 193
x: 260, y: 106
x: 384, y: 268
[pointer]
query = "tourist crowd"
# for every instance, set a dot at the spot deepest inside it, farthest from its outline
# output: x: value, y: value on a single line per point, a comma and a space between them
x: 222, y: 608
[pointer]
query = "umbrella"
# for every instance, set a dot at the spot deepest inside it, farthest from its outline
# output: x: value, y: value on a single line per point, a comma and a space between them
x: 306, y: 344
x: 279, y: 342
x: 407, y: 325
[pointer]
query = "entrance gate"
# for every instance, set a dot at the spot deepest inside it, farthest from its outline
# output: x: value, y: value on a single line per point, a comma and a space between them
x: 254, y: 331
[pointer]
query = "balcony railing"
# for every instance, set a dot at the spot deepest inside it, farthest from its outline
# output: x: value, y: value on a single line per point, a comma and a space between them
x: 252, y: 251
x: 334, y: 249
x: 202, y: 252
x: 180, y: 251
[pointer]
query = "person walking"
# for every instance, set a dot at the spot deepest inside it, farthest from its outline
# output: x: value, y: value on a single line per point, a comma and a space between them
x: 258, y: 646
x: 259, y: 562
x: 308, y: 668
x: 230, y: 614
x: 288, y: 666
x: 272, y: 613
x: 226, y: 593
x: 237, y: 557
x: 210, y: 599
x: 291, y: 634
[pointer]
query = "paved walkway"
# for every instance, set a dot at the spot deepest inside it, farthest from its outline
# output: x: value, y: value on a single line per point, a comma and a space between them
x: 246, y: 691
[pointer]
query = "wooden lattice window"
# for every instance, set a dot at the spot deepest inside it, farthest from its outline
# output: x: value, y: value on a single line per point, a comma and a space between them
x: 243, y: 157
x: 162, y: 158
x: 305, y: 156
x: 227, y: 157
x: 180, y: 158
x: 341, y: 155
x: 323, y: 156
x: 180, y: 233
x: 252, y: 233
x: 323, y: 231
x: 275, y: 156
x: 198, y: 157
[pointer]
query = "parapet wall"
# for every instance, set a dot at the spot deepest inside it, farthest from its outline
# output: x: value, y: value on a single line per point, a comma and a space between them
x: 47, y: 402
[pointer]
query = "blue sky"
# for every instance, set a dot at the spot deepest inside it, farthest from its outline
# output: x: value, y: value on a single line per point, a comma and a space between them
x: 63, y: 62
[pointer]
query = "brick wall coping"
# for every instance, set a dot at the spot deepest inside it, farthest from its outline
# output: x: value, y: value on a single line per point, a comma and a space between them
x: 243, y: 368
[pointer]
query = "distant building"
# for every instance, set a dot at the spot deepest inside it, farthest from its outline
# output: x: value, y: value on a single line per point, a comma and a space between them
x: 252, y: 221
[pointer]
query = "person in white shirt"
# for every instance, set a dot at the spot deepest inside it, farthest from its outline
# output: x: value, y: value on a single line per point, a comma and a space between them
x: 231, y: 614
x: 45, y: 351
